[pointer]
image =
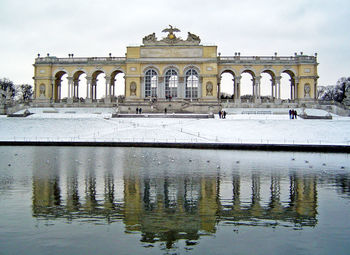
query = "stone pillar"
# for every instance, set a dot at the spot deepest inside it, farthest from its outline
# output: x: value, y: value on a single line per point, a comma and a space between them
x: 108, y: 89
x: 296, y: 85
x: 253, y: 85
x: 180, y: 87
x: 112, y: 87
x: 70, y: 86
x: 108, y: 80
x: 53, y: 89
x: 257, y: 86
x: 88, y: 89
x: 273, y: 85
x: 257, y: 98
x: 199, y: 92
x: 315, y: 89
x: 237, y: 84
x: 93, y: 88
x: 161, y: 87
x: 59, y: 96
x: 142, y: 85
x: 70, y: 82
x: 76, y: 88
x: 278, y: 87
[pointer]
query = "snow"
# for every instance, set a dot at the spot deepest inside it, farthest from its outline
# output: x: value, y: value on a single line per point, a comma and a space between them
x: 96, y: 124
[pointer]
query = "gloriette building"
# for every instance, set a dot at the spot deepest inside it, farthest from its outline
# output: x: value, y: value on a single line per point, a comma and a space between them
x: 171, y: 68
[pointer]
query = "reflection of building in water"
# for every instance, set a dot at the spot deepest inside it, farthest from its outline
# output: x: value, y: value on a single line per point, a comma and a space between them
x: 168, y: 208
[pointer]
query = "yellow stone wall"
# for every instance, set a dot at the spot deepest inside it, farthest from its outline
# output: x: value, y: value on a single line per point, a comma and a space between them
x: 139, y: 58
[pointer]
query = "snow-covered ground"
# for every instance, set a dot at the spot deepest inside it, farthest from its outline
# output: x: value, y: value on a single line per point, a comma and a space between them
x: 96, y: 124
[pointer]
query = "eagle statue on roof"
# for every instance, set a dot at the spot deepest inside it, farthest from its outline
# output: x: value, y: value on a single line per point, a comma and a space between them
x: 171, y: 31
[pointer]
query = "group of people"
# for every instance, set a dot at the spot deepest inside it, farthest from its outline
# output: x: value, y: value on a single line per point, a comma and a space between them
x: 138, y: 110
x: 292, y: 114
x: 222, y: 114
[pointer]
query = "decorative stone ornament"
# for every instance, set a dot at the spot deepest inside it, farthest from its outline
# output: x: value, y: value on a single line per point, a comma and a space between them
x: 133, y: 89
x: 209, y: 89
x: 171, y: 38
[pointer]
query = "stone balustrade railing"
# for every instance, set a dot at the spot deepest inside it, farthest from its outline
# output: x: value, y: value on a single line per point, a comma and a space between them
x: 268, y: 59
x: 55, y: 60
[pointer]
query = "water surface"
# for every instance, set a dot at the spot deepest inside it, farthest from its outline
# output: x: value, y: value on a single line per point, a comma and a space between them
x: 81, y: 200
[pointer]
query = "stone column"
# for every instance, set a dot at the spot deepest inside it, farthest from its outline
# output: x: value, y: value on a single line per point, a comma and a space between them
x: 93, y: 88
x: 112, y: 87
x: 254, y: 89
x: 88, y: 89
x: 237, y: 83
x: 70, y: 80
x: 296, y: 85
x: 315, y: 88
x: 142, y: 85
x: 257, y: 86
x: 108, y: 89
x: 257, y: 97
x: 273, y: 84
x: 108, y: 80
x: 200, y: 87
x: 70, y: 85
x: 59, y: 97
x: 161, y: 87
x: 76, y: 88
x: 180, y: 87
x: 53, y: 89
x: 278, y: 89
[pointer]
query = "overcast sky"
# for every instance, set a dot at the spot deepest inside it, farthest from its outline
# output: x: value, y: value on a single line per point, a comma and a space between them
x: 253, y: 27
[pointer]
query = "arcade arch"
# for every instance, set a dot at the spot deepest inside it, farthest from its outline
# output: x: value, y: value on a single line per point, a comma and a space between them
x: 79, y: 85
x: 98, y: 85
x: 288, y: 85
x: 227, y: 85
x: 60, y: 88
x: 267, y: 84
x: 117, y: 84
x: 247, y: 84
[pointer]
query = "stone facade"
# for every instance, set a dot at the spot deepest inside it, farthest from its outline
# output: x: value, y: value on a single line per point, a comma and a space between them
x: 182, y: 70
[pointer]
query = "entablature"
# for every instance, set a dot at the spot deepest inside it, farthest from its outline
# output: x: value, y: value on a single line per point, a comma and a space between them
x: 171, y: 60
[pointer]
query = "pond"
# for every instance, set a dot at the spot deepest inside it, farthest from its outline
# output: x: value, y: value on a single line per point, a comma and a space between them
x: 103, y: 200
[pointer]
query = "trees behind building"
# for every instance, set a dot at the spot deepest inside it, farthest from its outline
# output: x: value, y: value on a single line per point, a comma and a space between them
x: 23, y: 92
x: 8, y: 86
x: 339, y: 93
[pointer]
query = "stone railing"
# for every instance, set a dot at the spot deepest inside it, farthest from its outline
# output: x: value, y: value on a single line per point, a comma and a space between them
x: 299, y: 59
x: 55, y: 60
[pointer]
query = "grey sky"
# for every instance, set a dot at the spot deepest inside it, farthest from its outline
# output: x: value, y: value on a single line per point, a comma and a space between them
x: 252, y: 27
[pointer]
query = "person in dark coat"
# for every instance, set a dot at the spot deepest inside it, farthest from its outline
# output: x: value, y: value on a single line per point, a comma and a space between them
x: 137, y: 110
x: 140, y: 110
x: 224, y: 114
x: 290, y: 114
x: 219, y: 114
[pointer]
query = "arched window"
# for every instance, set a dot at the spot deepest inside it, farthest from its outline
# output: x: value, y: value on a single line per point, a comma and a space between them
x: 151, y: 83
x: 171, y: 83
x: 192, y: 82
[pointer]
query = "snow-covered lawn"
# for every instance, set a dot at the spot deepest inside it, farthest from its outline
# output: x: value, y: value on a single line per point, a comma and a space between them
x: 96, y: 124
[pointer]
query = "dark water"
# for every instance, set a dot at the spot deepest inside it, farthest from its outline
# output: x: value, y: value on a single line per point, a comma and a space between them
x: 72, y: 200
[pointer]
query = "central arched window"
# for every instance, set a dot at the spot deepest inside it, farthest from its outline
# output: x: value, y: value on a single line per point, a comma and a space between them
x: 171, y: 84
x: 151, y: 83
x: 192, y: 83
